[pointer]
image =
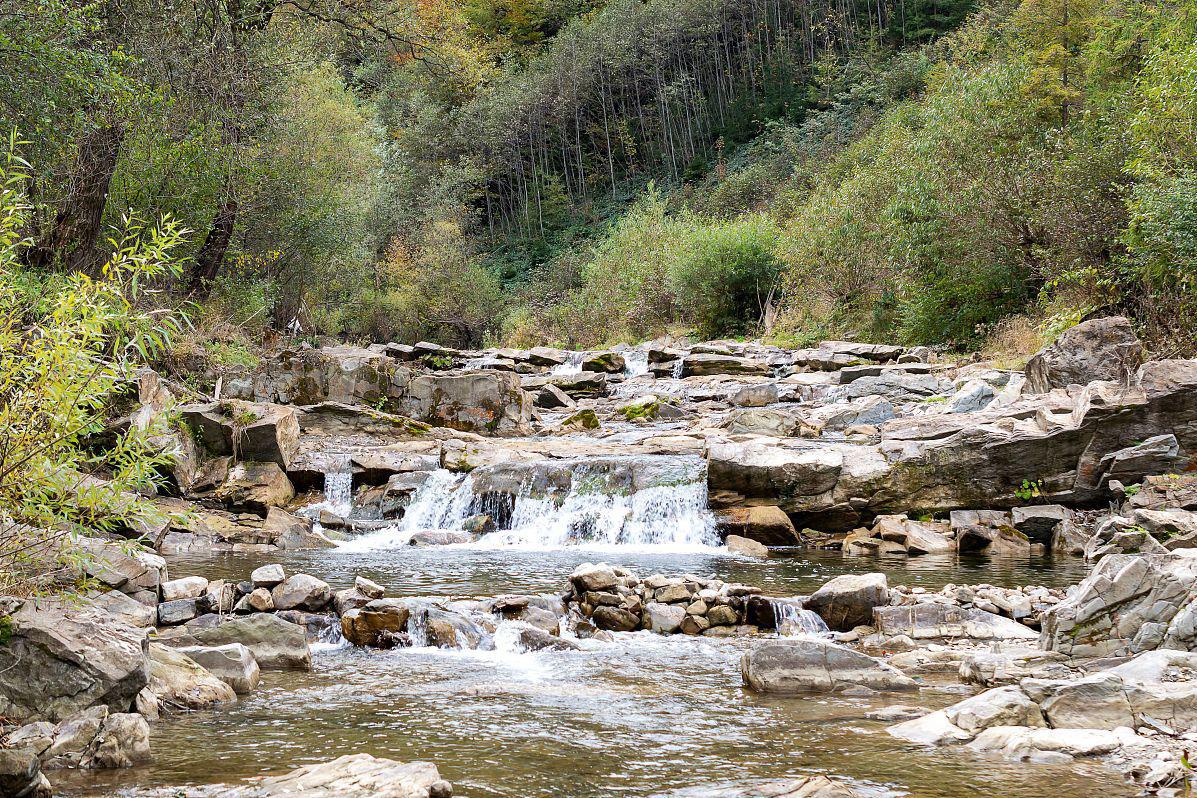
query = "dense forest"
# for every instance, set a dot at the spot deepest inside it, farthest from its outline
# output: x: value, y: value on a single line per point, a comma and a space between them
x: 577, y: 172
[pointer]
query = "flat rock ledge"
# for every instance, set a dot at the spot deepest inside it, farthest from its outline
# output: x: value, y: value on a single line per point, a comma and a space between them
x: 351, y: 776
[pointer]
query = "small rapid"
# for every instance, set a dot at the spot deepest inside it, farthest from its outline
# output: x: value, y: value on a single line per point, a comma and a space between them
x: 596, y: 503
x: 794, y: 620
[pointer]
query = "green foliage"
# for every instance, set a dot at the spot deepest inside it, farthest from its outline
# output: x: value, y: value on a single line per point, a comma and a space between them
x: 1029, y: 489
x: 67, y: 353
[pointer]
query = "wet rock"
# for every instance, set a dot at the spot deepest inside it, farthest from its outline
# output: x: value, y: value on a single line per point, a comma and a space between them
x: 180, y: 683
x: 593, y: 577
x: 746, y: 547
x: 380, y: 624
x: 915, y: 537
x: 533, y: 639
x: 1001, y: 706
x: 811, y: 665
x: 60, y: 659
x: 1099, y: 349
x: 615, y: 619
x: 21, y: 775
x: 694, y: 625
x: 232, y: 664
x: 352, y: 776
x: 275, y: 643
x: 301, y: 591
x: 293, y: 532
x: 73, y: 737
x: 704, y: 365
x: 584, y: 420
x: 663, y: 618
x: 551, y: 397
x: 931, y: 729
x: 847, y: 601
x: 1021, y: 744
x: 768, y: 525
x: 180, y: 611
x: 722, y: 615
x: 256, y: 486
x: 766, y: 421
x: 436, y: 537
x: 249, y: 431
x: 988, y: 532
x: 607, y: 362
x: 806, y: 787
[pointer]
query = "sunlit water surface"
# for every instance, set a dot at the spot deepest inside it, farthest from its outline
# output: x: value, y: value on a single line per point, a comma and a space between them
x: 644, y: 716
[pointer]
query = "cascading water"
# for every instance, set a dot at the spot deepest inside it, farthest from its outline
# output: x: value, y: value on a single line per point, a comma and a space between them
x: 794, y: 620
x: 572, y: 365
x: 678, y: 365
x: 635, y: 362
x: 338, y: 489
x: 614, y: 501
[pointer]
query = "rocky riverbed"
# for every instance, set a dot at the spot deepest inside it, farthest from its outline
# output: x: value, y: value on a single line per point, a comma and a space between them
x: 676, y: 569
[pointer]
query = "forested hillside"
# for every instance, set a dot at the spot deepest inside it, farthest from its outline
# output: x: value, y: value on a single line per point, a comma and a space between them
x: 579, y: 173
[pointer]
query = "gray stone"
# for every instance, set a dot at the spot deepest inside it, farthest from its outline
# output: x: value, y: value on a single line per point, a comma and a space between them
x: 847, y: 601
x: 663, y: 618
x: 301, y: 591
x: 811, y: 665
x: 180, y: 683
x: 233, y: 664
x: 276, y: 644
x: 1098, y: 349
x: 351, y: 776
x: 267, y: 576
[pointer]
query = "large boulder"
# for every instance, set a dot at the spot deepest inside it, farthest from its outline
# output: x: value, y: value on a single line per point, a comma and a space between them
x: 704, y: 365
x: 484, y: 402
x: 233, y: 664
x: 381, y: 623
x: 301, y: 591
x: 256, y: 486
x: 935, y: 621
x: 351, y: 776
x: 765, y: 524
x: 817, y: 666
x: 246, y: 430
x: 59, y: 659
x: 847, y: 601
x: 1128, y: 604
x: 180, y: 683
x: 275, y: 643
x: 1098, y: 349
x: 21, y: 774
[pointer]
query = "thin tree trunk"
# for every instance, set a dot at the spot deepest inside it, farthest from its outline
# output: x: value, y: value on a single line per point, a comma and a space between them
x: 210, y: 259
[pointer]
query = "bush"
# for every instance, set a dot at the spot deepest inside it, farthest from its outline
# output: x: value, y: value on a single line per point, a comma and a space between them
x: 68, y: 352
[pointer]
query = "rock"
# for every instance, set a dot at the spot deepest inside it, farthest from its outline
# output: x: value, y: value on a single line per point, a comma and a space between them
x: 756, y: 395
x: 705, y: 365
x: 811, y: 665
x: 349, y: 599
x: 129, y: 572
x: 1098, y: 349
x: 1019, y: 743
x: 864, y: 410
x: 275, y: 643
x: 260, y: 600
x: 615, y: 619
x: 1001, y: 706
x: 484, y: 402
x: 847, y: 601
x: 181, y: 683
x: 61, y: 659
x: 256, y: 486
x: 551, y: 397
x: 233, y: 664
x: 21, y: 775
x: 767, y: 525
x: 746, y: 547
x: 188, y: 587
x: 123, y: 741
x: 368, y: 587
x: 663, y: 618
x: 896, y: 386
x: 436, y: 537
x: 268, y: 576
x: 246, y: 430
x: 722, y: 615
x: 974, y: 395
x: 765, y: 421
x: 301, y: 591
x: 380, y: 624
x: 293, y: 532
x: 36, y: 737
x: 180, y: 611
x: 533, y: 639
x: 608, y: 362
x: 593, y: 577
x: 1128, y: 604
x: 582, y: 421
x: 694, y: 625
x: 806, y: 787
x: 989, y: 532
x: 73, y: 737
x: 917, y: 537
x: 934, y: 621
x: 351, y: 776
x: 932, y: 729
x: 1038, y: 523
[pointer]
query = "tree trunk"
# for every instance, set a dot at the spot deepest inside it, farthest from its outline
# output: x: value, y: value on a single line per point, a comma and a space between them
x: 211, y: 255
x: 72, y: 238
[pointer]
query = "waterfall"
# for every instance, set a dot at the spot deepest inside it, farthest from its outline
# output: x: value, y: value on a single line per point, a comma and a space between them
x: 635, y: 362
x: 597, y: 506
x: 330, y: 639
x: 572, y: 365
x: 338, y: 492
x: 417, y: 628
x: 677, y: 367
x: 794, y: 620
